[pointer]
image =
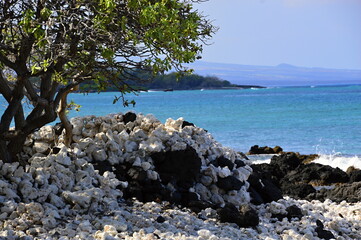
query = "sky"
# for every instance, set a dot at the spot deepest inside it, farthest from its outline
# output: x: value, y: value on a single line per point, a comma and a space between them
x: 306, y: 33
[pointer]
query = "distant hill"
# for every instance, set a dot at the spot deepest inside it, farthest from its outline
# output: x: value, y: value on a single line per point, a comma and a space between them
x: 169, y: 82
x: 281, y: 75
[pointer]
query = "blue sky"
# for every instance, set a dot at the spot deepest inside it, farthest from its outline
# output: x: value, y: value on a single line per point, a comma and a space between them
x: 308, y: 33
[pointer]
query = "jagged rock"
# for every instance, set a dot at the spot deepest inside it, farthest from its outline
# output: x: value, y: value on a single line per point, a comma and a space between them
x: 286, y: 162
x: 223, y: 162
x: 355, y: 176
x: 317, y: 173
x: 322, y: 233
x: 185, y: 124
x: 244, y: 217
x: 229, y: 183
x: 264, y: 186
x: 182, y: 166
x: 296, y: 190
x: 239, y: 163
x: 347, y: 192
x: 264, y: 150
x: 129, y: 117
x: 294, y: 212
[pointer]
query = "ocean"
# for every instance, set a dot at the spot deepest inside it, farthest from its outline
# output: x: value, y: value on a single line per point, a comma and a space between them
x: 324, y: 120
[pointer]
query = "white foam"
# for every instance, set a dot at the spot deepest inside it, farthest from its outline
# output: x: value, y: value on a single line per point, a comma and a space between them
x: 340, y: 161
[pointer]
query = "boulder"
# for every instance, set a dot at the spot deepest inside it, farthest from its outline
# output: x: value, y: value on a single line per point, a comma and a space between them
x: 244, y: 217
x: 223, y: 162
x: 262, y: 188
x: 318, y: 174
x: 129, y: 117
x: 355, y: 176
x: 260, y: 150
x: 185, y: 124
x: 322, y: 233
x: 229, y: 183
x: 286, y: 162
x: 181, y: 167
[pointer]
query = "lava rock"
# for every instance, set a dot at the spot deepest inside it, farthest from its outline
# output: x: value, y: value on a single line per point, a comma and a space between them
x: 223, y: 162
x: 129, y: 117
x: 245, y: 217
x: 197, y: 206
x: 239, y: 163
x: 286, y: 162
x: 321, y: 232
x: 297, y: 190
x: 185, y: 124
x: 347, y: 192
x: 182, y: 167
x: 102, y: 166
x: 260, y: 150
x: 160, y: 219
x: 294, y: 212
x: 355, y: 176
x: 315, y: 172
x: 264, y: 186
x: 229, y: 183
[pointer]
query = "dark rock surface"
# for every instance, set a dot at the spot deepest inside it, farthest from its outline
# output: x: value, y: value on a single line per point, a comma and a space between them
x: 262, y: 187
x: 288, y: 175
x: 229, y: 183
x: 223, y: 162
x: 292, y: 212
x: 185, y: 124
x: 244, y: 217
x: 322, y: 233
x: 181, y: 167
x: 264, y: 150
x: 285, y: 162
x: 355, y: 176
x: 129, y: 117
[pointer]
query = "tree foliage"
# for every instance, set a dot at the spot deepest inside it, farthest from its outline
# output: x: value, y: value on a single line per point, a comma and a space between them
x: 49, y: 47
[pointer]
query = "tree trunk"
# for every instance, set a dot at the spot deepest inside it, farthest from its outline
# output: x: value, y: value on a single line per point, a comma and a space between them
x: 64, y: 119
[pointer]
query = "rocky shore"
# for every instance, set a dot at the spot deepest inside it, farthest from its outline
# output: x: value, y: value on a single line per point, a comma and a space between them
x: 128, y: 176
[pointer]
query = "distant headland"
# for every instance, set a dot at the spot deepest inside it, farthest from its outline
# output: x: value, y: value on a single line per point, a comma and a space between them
x: 171, y: 82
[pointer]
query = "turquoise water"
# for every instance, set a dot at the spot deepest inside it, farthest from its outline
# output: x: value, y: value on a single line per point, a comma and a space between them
x: 305, y: 119
x: 323, y: 120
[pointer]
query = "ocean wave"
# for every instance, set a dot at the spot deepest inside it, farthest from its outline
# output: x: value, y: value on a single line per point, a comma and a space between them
x: 334, y: 160
x: 341, y: 161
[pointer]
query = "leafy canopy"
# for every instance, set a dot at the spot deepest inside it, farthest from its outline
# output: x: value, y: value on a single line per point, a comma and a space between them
x: 48, y: 47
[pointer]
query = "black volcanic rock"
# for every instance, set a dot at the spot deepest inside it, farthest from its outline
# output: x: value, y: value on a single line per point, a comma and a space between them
x: 244, y: 217
x: 129, y: 117
x: 223, y: 162
x: 314, y: 172
x: 294, y: 212
x: 347, y: 192
x: 286, y: 162
x: 239, y: 163
x: 229, y: 183
x: 355, y: 176
x: 181, y: 167
x: 262, y: 188
x: 321, y: 232
x: 296, y: 190
x: 185, y: 124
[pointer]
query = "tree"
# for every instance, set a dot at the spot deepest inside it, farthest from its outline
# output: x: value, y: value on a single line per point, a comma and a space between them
x: 49, y: 47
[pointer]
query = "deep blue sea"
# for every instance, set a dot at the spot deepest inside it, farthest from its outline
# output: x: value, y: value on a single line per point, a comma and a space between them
x: 325, y: 120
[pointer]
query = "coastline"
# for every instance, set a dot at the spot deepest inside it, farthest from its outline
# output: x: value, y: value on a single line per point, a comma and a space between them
x: 86, y: 192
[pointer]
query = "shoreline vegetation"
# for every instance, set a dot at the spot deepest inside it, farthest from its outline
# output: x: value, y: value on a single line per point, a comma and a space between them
x: 172, y: 82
